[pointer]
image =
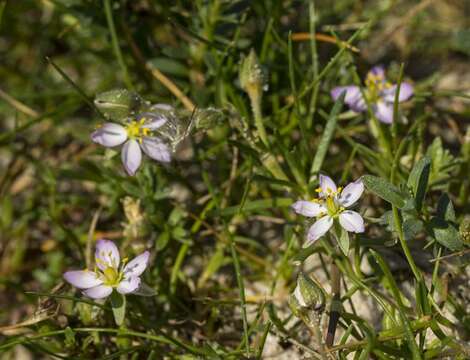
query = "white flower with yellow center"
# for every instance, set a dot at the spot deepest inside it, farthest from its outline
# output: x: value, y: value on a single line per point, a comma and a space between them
x: 379, y: 92
x: 137, y: 135
x: 332, y: 206
x: 110, y: 273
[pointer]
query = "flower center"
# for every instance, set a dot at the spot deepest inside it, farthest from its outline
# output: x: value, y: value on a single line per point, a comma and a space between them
x: 375, y: 84
x: 111, y: 276
x: 332, y: 206
x: 136, y: 129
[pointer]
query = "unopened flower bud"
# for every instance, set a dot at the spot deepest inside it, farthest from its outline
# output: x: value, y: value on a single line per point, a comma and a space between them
x: 295, y: 306
x: 309, y: 294
x: 118, y: 104
x: 251, y: 75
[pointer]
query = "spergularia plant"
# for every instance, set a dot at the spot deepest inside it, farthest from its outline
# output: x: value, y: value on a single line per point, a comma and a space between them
x: 331, y: 207
x: 110, y: 273
x: 379, y: 93
x: 137, y: 134
x: 155, y: 129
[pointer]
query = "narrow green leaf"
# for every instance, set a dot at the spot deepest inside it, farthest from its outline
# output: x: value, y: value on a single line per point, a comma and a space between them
x: 118, y: 305
x: 422, y: 302
x: 326, y: 136
x: 251, y: 206
x: 213, y: 265
x: 385, y: 190
x: 169, y: 66
x: 401, y: 307
x: 177, y: 266
x: 418, y: 180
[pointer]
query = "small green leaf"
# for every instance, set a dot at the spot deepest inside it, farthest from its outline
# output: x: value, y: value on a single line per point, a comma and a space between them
x: 343, y: 241
x: 162, y: 240
x: 411, y: 227
x: 445, y: 209
x: 446, y: 234
x: 69, y: 337
x: 303, y: 254
x: 118, y: 304
x: 418, y: 180
x: 385, y: 190
x: 145, y: 290
x: 442, y: 164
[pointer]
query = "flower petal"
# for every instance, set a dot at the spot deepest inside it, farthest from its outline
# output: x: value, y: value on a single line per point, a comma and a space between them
x: 353, y: 97
x: 128, y: 285
x: 106, y: 254
x: 98, y: 292
x: 327, y: 185
x: 137, y: 265
x: 109, y: 135
x: 351, y: 193
x: 131, y: 156
x: 156, y: 149
x: 82, y: 279
x: 384, y: 112
x: 318, y: 229
x: 308, y: 208
x: 152, y: 121
x: 164, y: 107
x: 351, y: 221
x: 406, y: 91
x: 378, y: 71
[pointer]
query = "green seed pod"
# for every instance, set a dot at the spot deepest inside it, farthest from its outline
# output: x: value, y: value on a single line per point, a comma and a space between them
x: 309, y: 294
x: 119, y: 104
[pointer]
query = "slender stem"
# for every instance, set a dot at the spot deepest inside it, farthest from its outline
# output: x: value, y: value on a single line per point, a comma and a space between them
x: 315, y: 317
x: 241, y: 287
x: 114, y: 41
x: 176, y: 268
x: 335, y: 306
x: 404, y: 245
x: 255, y: 99
x: 314, y: 55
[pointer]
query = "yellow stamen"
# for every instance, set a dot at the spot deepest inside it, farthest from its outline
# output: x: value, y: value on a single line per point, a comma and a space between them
x: 136, y: 130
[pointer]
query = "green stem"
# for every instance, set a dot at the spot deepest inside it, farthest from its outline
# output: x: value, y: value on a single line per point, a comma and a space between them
x: 114, y: 41
x: 241, y: 287
x: 314, y: 54
x: 176, y: 268
x: 256, y: 107
x: 404, y: 245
